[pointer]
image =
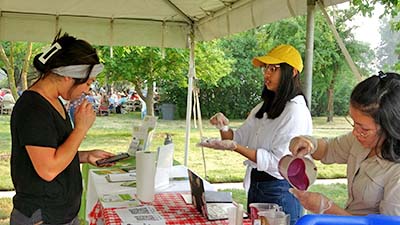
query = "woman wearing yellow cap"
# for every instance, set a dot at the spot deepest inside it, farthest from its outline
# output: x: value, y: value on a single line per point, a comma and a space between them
x: 264, y: 137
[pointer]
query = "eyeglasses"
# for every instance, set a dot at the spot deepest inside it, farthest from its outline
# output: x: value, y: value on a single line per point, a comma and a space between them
x: 270, y: 68
x: 361, y: 131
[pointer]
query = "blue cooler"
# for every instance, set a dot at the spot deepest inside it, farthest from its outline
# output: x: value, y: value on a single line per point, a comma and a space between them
x: 372, y: 219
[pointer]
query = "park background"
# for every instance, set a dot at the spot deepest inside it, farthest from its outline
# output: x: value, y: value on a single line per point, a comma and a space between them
x: 226, y: 81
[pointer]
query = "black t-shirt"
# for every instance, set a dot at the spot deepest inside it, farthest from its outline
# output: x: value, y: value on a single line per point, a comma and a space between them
x: 36, y: 122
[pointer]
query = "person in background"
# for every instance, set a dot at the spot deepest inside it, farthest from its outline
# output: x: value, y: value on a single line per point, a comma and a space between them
x: 113, y: 100
x: 2, y: 93
x: 122, y: 99
x: 104, y: 105
x: 371, y: 151
x: 91, y: 98
x: 8, y: 97
x: 134, y: 96
x: 45, y: 161
x: 264, y: 137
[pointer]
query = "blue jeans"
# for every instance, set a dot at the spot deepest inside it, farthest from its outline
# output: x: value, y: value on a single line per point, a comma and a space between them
x: 275, y: 191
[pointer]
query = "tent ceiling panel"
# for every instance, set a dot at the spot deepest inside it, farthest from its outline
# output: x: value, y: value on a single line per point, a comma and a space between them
x: 140, y: 22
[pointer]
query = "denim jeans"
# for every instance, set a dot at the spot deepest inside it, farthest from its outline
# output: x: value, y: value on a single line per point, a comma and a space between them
x: 275, y: 191
x: 17, y: 218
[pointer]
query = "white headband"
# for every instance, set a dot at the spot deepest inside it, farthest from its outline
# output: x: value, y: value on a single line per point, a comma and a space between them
x: 78, y: 71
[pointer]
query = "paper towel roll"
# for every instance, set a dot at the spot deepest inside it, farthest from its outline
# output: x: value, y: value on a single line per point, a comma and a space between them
x: 145, y: 173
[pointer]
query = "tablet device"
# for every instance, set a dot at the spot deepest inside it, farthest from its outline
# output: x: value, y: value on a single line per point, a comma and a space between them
x: 112, y: 159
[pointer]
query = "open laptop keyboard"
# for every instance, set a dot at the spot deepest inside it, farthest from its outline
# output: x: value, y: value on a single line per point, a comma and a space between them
x: 216, y: 212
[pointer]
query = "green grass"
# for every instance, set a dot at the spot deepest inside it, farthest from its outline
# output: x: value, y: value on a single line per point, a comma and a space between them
x: 113, y: 133
x: 5, y: 210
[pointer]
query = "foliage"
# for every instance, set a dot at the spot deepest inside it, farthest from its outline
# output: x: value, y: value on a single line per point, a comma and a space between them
x: 367, y: 6
x: 329, y: 65
x: 386, y: 54
x: 13, y: 56
x: 143, y: 66
x: 236, y: 94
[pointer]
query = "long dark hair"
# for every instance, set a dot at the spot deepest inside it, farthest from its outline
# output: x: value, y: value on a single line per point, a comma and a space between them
x: 289, y: 87
x: 379, y: 97
x: 73, y: 52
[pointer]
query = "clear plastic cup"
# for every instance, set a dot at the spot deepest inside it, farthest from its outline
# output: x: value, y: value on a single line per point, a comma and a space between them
x: 274, y: 218
x: 255, y: 208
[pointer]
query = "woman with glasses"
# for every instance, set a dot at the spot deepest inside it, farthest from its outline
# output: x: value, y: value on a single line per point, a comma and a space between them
x: 371, y: 151
x: 264, y: 137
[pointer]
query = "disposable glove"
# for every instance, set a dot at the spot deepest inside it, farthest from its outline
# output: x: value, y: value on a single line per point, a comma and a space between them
x: 303, y: 145
x: 220, y: 121
x: 218, y: 144
x: 312, y: 201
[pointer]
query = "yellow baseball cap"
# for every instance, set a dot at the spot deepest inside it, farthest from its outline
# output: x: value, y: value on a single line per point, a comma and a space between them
x: 281, y: 54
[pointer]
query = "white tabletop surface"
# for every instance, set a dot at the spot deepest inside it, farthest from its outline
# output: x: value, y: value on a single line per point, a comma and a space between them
x: 98, y: 186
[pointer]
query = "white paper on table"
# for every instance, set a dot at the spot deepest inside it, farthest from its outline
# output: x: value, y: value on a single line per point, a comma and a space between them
x: 119, y: 200
x: 121, y: 177
x: 140, y: 215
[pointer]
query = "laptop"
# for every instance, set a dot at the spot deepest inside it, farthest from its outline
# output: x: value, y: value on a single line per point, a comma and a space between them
x: 211, y: 204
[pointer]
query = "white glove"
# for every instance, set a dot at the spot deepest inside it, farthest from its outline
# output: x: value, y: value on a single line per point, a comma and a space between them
x: 218, y: 144
x: 220, y: 121
x: 303, y: 145
x: 312, y: 201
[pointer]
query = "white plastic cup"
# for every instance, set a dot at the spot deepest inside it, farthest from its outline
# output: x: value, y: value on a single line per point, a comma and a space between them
x: 232, y: 214
x: 261, y: 207
x: 274, y: 218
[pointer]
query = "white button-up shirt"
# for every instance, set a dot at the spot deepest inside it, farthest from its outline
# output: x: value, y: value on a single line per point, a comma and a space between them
x: 271, y: 137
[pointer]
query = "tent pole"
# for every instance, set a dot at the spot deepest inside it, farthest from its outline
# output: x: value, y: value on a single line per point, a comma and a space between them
x: 342, y: 46
x: 190, y: 93
x: 308, y: 67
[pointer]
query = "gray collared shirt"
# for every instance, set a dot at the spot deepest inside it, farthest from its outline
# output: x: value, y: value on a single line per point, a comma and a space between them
x: 373, y: 183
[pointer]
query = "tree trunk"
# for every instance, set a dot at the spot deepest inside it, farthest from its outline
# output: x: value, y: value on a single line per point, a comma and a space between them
x: 25, y: 67
x: 331, y: 95
x: 149, y: 98
x: 9, y: 63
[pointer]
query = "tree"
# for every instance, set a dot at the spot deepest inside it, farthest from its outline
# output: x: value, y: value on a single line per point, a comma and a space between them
x: 16, y: 58
x: 386, y: 53
x: 329, y: 66
x: 236, y: 94
x: 9, y: 64
x: 145, y: 66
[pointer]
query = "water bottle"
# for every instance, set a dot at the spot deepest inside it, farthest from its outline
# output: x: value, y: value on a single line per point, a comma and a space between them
x: 168, y: 139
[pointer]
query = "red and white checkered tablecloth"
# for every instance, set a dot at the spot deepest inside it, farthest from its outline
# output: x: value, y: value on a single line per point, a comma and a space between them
x: 170, y: 205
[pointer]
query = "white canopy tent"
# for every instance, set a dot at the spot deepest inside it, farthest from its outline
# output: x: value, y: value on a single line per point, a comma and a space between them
x: 141, y: 22
x: 161, y: 23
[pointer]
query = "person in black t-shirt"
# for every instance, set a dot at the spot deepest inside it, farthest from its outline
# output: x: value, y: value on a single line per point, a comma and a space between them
x: 45, y: 159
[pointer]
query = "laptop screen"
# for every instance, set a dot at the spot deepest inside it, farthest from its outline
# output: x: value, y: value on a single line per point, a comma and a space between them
x: 197, y: 191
